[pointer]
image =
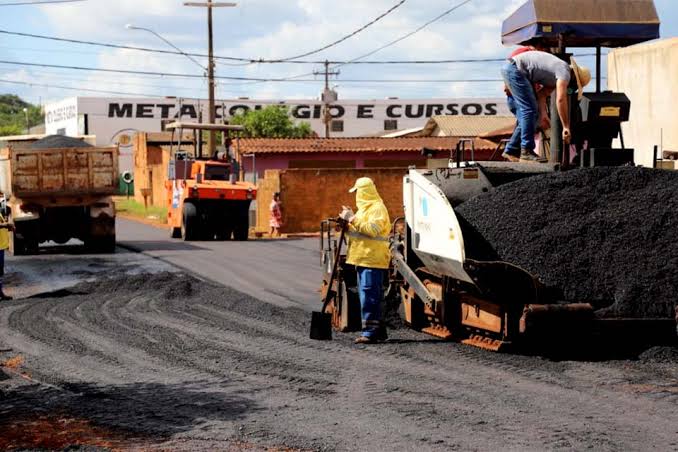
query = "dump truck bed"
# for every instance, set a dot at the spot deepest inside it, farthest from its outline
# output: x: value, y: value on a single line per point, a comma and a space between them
x: 29, y: 173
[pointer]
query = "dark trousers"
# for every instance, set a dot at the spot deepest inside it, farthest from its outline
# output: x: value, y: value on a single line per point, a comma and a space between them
x: 524, y: 101
x: 370, y: 288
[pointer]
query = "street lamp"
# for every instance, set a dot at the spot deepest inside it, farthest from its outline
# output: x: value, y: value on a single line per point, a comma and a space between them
x: 133, y: 27
x: 28, y: 129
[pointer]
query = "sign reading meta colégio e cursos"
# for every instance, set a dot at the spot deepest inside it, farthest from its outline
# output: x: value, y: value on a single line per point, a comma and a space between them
x: 310, y: 111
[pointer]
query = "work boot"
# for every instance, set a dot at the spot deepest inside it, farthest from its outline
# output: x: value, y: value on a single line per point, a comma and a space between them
x: 365, y: 340
x: 530, y: 157
x: 381, y: 335
x: 510, y: 157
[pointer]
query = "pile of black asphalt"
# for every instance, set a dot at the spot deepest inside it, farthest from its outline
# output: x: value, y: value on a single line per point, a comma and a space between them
x: 603, y: 235
x: 59, y: 141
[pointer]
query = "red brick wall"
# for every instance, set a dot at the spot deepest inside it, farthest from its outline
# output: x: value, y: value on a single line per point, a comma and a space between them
x: 309, y: 196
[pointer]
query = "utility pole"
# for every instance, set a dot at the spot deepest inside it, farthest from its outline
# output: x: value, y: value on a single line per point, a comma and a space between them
x: 212, y: 142
x: 328, y: 96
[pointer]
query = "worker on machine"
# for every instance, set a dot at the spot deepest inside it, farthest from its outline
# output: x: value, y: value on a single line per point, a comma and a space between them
x: 368, y: 251
x: 543, y: 121
x: 521, y: 74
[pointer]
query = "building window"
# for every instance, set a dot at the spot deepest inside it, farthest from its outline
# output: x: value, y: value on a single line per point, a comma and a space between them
x: 337, y: 126
x: 391, y: 124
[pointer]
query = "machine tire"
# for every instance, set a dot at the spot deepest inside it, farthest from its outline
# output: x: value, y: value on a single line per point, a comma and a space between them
x: 208, y: 229
x: 17, y: 246
x: 28, y: 243
x: 226, y: 231
x: 101, y: 245
x: 189, y: 222
x: 241, y: 231
x: 107, y: 244
x: 175, y: 233
x: 101, y: 236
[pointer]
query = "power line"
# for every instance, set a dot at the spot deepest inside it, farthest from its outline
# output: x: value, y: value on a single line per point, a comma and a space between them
x: 248, y: 61
x: 55, y: 76
x: 199, y: 99
x: 44, y: 2
x: 117, y: 46
x: 100, y: 91
x: 350, y: 35
x: 194, y: 76
x: 402, y: 38
x: 435, y: 19
x: 122, y: 71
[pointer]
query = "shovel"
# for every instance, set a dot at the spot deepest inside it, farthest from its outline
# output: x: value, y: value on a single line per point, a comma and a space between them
x: 321, y: 322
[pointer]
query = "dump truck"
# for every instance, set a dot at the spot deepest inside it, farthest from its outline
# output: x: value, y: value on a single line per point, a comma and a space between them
x: 57, y: 189
x: 207, y: 198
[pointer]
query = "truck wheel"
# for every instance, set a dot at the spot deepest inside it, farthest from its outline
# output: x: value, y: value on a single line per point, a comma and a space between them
x: 101, y: 236
x: 175, y: 233
x: 107, y: 244
x: 241, y: 232
x: 17, y: 246
x: 225, y: 232
x: 101, y: 244
x: 189, y: 223
x: 32, y: 247
x: 242, y: 226
x: 208, y: 229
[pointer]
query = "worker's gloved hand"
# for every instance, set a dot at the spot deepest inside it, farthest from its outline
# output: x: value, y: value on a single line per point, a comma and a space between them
x: 347, y: 214
x: 567, y: 135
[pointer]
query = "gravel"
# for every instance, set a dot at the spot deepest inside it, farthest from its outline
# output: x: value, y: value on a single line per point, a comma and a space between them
x: 663, y: 354
x: 59, y: 141
x: 172, y: 362
x: 603, y: 235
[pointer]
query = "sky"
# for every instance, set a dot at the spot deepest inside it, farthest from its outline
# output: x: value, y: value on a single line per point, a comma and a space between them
x: 268, y: 29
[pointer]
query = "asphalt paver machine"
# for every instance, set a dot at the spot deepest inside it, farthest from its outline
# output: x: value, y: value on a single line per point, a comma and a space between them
x: 496, y: 305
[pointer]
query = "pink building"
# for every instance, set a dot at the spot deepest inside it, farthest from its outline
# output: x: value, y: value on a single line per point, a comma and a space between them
x: 359, y: 153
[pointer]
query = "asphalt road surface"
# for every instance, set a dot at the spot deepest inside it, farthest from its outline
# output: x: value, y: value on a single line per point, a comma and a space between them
x: 282, y: 272
x: 139, y: 357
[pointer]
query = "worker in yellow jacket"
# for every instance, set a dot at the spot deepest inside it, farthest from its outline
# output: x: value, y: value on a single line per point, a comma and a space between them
x: 4, y: 245
x: 368, y: 251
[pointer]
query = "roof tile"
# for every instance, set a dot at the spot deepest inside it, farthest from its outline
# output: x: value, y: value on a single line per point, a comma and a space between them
x: 466, y: 126
x: 311, y: 145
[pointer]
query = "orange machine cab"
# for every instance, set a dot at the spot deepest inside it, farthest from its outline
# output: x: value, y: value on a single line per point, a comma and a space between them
x: 206, y: 201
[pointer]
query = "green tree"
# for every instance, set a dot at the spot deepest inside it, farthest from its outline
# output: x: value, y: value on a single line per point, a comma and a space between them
x: 271, y: 122
x: 7, y: 130
x: 13, y: 117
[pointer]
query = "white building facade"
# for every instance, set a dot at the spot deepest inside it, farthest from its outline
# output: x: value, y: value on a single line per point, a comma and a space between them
x: 115, y: 120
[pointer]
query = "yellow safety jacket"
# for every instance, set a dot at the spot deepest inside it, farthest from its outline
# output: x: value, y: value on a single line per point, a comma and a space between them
x: 368, y: 233
x: 4, y: 235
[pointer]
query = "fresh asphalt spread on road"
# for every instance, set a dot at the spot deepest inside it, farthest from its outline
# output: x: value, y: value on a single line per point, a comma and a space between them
x: 285, y: 272
x: 136, y: 356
